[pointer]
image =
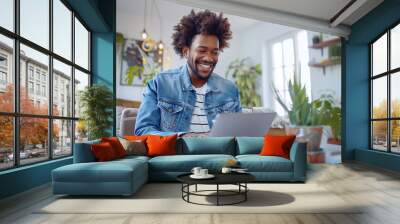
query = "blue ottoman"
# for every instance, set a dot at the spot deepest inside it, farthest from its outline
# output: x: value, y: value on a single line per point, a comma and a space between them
x: 118, y: 177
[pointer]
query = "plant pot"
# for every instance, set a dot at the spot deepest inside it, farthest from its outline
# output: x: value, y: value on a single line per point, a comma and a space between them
x: 310, y: 134
x: 316, y: 39
x: 316, y: 157
x: 334, y: 141
x: 276, y: 131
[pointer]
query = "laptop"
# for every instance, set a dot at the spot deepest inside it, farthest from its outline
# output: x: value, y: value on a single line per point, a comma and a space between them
x: 242, y: 124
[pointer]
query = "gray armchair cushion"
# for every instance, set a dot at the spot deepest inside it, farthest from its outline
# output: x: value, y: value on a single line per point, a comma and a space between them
x: 127, y: 122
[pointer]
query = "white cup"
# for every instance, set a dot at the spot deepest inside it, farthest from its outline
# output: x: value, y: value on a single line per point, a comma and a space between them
x: 196, y: 171
x: 203, y: 172
x: 226, y: 170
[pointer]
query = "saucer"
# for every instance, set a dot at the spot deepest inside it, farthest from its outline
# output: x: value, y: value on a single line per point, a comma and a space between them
x: 208, y: 176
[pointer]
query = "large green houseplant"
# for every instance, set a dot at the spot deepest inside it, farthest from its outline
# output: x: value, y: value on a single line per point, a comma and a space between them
x: 307, y: 117
x: 97, y: 102
x: 245, y: 75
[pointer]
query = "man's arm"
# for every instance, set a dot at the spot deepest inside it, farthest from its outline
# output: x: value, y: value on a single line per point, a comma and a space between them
x: 148, y: 118
x: 238, y: 107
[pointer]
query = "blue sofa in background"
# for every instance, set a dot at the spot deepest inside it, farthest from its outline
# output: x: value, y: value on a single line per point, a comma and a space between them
x: 125, y: 176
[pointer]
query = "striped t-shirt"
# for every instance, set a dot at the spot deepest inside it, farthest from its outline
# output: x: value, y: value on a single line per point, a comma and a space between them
x: 199, y: 121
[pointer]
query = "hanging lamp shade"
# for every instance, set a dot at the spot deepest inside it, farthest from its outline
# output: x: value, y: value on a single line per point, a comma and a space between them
x: 160, y: 45
x: 144, y: 34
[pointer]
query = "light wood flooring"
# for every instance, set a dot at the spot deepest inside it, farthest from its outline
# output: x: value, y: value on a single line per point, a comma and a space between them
x: 377, y: 188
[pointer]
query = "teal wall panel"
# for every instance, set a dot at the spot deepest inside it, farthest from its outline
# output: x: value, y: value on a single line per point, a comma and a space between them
x: 89, y: 11
x: 356, y: 85
x: 356, y: 99
x: 102, y: 58
x: 103, y: 52
x: 24, y: 178
x: 376, y: 158
x: 103, y: 64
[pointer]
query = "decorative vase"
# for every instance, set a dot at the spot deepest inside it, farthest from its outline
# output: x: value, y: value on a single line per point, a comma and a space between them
x: 310, y: 134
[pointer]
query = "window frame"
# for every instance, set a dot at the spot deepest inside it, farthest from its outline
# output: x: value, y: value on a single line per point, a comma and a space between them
x: 270, y: 64
x: 16, y: 114
x: 388, y: 74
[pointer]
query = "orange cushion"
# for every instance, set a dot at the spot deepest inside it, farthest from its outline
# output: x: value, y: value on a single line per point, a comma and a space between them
x: 103, y: 151
x: 161, y: 145
x: 136, y: 137
x: 116, y: 145
x: 277, y: 145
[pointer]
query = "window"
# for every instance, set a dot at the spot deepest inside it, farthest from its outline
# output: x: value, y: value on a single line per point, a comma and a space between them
x: 3, y: 61
x: 30, y: 87
x: 3, y: 72
x: 63, y: 75
x: 289, y: 56
x: 38, y: 89
x: 34, y: 22
x: 37, y: 75
x: 385, y: 97
x: 3, y: 78
x: 43, y: 90
x: 81, y: 45
x: 54, y: 125
x: 62, y: 29
x: 7, y: 14
x: 63, y: 141
x: 7, y: 83
x: 81, y: 81
x: 30, y: 72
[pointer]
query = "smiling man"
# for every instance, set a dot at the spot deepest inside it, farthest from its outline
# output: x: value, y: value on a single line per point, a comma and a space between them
x: 186, y: 100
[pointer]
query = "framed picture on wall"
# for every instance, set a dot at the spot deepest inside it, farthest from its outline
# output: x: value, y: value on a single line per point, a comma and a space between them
x: 139, y: 61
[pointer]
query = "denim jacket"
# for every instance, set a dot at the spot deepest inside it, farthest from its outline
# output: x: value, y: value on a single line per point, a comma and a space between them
x: 169, y: 99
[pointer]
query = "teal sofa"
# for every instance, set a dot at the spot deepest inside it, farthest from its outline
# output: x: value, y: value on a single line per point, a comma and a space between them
x: 125, y: 176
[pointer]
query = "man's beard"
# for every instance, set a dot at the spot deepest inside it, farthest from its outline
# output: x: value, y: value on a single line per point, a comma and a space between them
x: 195, y: 71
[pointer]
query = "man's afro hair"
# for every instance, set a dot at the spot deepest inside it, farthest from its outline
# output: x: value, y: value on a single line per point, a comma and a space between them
x: 203, y: 22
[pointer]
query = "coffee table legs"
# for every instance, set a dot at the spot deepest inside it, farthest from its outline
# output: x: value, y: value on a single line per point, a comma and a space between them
x: 242, y: 191
x: 217, y: 194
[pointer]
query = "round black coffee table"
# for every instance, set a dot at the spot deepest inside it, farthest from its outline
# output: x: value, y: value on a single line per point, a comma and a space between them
x: 238, y: 179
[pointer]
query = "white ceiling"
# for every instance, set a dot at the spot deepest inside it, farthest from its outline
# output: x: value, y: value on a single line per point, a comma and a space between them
x: 170, y: 13
x: 319, y: 9
x: 312, y: 15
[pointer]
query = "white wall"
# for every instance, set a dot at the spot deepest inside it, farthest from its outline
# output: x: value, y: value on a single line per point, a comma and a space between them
x: 328, y: 82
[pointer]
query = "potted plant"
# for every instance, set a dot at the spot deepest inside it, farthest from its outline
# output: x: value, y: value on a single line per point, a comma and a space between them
x: 302, y: 115
x: 307, y: 117
x: 316, y: 39
x: 97, y: 103
x: 245, y: 75
x: 331, y: 115
x: 335, y: 53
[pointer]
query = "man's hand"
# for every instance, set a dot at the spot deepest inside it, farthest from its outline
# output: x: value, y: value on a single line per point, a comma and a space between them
x: 198, y: 134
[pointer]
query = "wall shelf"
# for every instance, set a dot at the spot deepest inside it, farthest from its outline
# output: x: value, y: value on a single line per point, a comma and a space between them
x: 324, y: 64
x: 325, y: 43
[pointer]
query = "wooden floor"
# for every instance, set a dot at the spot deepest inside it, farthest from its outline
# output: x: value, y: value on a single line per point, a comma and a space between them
x: 377, y: 188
